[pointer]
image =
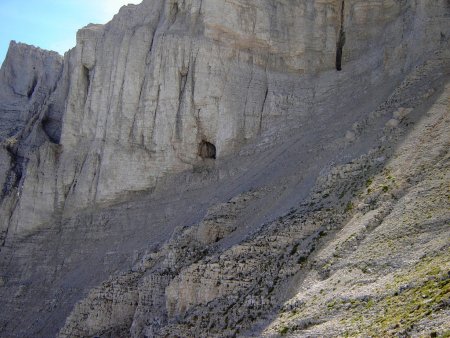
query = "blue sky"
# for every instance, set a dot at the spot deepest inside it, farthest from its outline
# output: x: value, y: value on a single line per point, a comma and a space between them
x: 51, y: 24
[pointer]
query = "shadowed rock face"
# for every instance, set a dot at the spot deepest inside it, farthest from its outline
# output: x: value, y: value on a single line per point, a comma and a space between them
x: 31, y: 110
x: 106, y: 151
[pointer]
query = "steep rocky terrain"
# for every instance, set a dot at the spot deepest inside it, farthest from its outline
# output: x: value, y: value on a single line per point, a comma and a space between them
x: 367, y: 253
x: 230, y: 168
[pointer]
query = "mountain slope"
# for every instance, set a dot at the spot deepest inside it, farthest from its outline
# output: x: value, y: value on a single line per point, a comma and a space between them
x: 206, y: 168
x: 369, y: 227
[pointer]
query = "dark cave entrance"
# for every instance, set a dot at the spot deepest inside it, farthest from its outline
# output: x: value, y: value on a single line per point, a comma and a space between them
x: 52, y: 128
x: 86, y: 75
x: 207, y: 150
x: 32, y: 88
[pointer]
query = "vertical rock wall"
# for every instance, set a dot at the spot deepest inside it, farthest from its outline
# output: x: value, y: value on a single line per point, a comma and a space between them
x: 147, y: 89
x: 166, y: 86
x: 30, y: 122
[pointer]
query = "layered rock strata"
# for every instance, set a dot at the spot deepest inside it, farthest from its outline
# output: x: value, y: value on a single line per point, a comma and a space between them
x: 144, y: 91
x: 367, y: 226
x: 174, y: 107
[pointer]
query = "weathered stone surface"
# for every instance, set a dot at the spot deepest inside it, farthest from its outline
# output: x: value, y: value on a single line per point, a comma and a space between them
x: 108, y: 156
x: 5, y: 165
x: 392, y: 123
x: 27, y: 77
x: 325, y: 244
x: 162, y: 77
x: 339, y: 258
x: 29, y: 119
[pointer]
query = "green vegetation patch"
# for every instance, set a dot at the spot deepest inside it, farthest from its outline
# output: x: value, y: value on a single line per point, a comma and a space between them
x: 283, y: 330
x: 349, y: 207
x: 414, y: 296
x: 404, y: 309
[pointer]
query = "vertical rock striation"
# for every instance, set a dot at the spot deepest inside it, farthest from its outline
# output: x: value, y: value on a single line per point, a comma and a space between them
x: 27, y: 78
x: 143, y: 92
x: 178, y: 86
x: 29, y: 119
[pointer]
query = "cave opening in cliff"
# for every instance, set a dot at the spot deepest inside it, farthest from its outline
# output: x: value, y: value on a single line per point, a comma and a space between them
x: 207, y: 150
x: 52, y: 129
x: 87, y: 78
x: 341, y: 40
x: 32, y: 87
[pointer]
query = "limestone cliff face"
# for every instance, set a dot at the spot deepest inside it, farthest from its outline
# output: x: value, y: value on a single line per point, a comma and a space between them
x: 164, y: 76
x: 367, y: 240
x: 30, y: 122
x: 370, y: 239
x: 27, y: 77
x: 176, y: 107
x: 144, y: 91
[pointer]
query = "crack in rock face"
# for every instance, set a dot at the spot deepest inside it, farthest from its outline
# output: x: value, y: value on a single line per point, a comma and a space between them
x: 341, y: 39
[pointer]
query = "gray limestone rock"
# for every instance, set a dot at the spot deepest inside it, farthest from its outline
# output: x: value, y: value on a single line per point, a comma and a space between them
x: 163, y: 77
x: 172, y: 108
x: 27, y: 77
